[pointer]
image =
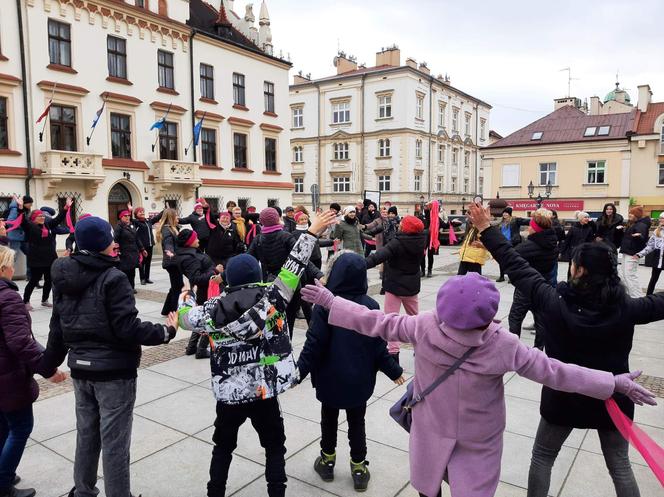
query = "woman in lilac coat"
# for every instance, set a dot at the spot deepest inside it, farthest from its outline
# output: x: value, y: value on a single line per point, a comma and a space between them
x: 457, y: 431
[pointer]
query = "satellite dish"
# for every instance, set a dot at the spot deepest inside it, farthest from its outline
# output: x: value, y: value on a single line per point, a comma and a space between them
x: 335, y: 61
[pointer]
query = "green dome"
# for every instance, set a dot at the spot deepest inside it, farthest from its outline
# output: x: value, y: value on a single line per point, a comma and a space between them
x: 612, y: 95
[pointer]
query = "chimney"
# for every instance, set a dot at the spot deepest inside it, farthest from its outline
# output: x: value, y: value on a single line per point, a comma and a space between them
x: 645, y: 96
x: 410, y: 62
x: 299, y: 79
x: 424, y: 68
x: 595, y: 106
x: 562, y: 102
x: 345, y: 63
x: 390, y: 56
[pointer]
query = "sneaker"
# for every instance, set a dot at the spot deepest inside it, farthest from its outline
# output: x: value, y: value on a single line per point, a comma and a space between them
x: 46, y: 303
x: 28, y: 307
x: 324, y: 466
x: 361, y: 475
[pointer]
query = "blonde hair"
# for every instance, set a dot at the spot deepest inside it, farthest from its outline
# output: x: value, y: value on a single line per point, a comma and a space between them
x: 167, y: 219
x: 6, y: 257
x: 542, y: 218
x: 580, y: 215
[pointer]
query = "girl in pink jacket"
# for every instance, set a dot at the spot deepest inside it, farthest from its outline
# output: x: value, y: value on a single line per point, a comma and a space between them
x: 457, y: 431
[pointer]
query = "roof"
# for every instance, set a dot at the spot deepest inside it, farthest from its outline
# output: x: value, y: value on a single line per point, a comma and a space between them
x: 646, y: 120
x: 495, y: 134
x: 567, y: 125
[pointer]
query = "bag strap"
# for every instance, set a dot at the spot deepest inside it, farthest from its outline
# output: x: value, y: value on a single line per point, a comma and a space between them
x: 420, y: 397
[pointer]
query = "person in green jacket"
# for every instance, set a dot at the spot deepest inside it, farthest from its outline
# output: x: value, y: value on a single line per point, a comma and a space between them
x: 349, y: 232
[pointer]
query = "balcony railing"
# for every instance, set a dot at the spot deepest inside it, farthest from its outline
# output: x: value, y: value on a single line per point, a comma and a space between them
x: 59, y: 165
x: 173, y: 172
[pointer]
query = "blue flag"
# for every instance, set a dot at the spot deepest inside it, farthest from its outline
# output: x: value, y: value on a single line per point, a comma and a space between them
x: 98, y: 115
x: 160, y: 123
x: 197, y: 130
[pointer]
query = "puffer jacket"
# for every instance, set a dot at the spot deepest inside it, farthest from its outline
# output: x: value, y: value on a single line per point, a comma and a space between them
x: 577, y: 235
x: 126, y: 237
x: 95, y: 319
x: 168, y: 244
x: 401, y: 274
x: 289, y: 224
x: 540, y: 250
x: 224, y: 243
x: 343, y: 363
x: 20, y: 353
x: 198, y: 224
x: 42, y: 250
x: 654, y: 251
x: 476, y: 255
x: 196, y: 266
x: 632, y: 245
x: 350, y: 236
x: 17, y: 235
x: 608, y: 230
x: 252, y: 358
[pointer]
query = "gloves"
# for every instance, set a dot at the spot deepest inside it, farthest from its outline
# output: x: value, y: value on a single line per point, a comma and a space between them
x: 626, y: 385
x: 318, y: 294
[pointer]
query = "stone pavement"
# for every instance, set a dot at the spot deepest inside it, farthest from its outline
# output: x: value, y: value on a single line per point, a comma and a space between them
x: 174, y: 414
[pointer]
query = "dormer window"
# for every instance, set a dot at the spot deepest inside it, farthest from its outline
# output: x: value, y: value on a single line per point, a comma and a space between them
x: 590, y: 131
x: 603, y: 130
x: 537, y: 135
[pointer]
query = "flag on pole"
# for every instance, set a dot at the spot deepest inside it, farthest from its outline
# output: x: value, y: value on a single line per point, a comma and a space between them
x: 160, y: 123
x: 98, y: 115
x: 197, y: 130
x: 45, y: 113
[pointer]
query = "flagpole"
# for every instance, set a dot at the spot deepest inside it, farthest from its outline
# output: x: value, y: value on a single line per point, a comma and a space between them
x: 94, y: 126
x: 163, y: 120
x: 50, y: 101
x: 193, y: 135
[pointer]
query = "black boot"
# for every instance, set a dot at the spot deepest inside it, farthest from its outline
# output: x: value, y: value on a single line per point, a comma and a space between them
x: 19, y: 492
x: 17, y: 480
x: 192, y: 343
x: 361, y: 475
x: 429, y: 273
x: 202, y: 351
x: 324, y: 466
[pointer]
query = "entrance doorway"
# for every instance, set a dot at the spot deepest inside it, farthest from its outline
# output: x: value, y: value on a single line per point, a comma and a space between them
x: 118, y: 198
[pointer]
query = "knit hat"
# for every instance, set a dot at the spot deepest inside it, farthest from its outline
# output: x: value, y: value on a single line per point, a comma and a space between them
x: 298, y: 215
x: 186, y: 238
x: 335, y: 206
x: 348, y: 209
x: 637, y: 211
x: 393, y: 210
x: 467, y: 302
x: 507, y: 210
x: 411, y: 224
x: 224, y: 214
x: 579, y: 215
x: 50, y: 211
x: 198, y: 205
x: 124, y: 213
x: 27, y: 199
x: 269, y: 217
x: 242, y: 270
x: 289, y: 209
x: 138, y: 209
x: 93, y: 234
x: 36, y: 213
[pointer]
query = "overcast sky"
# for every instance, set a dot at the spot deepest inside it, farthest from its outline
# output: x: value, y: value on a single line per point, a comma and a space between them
x: 508, y: 53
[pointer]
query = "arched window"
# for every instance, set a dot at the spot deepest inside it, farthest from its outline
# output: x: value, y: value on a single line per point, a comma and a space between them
x: 384, y: 147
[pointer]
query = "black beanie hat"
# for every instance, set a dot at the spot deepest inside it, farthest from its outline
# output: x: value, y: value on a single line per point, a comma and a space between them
x: 242, y: 270
x: 508, y: 210
x: 393, y: 210
x: 335, y: 206
x: 27, y: 199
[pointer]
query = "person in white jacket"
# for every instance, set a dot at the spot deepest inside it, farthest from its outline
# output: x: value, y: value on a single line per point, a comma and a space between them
x: 655, y: 247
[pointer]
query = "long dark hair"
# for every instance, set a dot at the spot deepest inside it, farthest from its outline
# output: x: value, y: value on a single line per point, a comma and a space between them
x: 604, y: 219
x: 600, y: 286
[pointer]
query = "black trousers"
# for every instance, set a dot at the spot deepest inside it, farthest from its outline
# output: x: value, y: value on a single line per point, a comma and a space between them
x: 202, y: 244
x: 292, y: 308
x: 654, y: 276
x: 265, y: 417
x: 469, y: 267
x: 36, y: 274
x: 131, y: 276
x: 518, y: 311
x: 171, y: 302
x: 357, y: 437
x: 428, y: 258
x: 144, y: 267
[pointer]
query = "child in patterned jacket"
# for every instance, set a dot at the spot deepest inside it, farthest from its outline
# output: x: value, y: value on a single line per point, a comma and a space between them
x: 252, y: 358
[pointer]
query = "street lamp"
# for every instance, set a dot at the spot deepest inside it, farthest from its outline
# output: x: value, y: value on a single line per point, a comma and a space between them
x: 539, y: 199
x: 463, y: 205
x: 422, y: 204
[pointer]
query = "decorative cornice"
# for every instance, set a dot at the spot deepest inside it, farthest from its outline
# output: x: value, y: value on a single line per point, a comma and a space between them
x: 280, y: 185
x: 209, y: 115
x: 241, y: 122
x: 271, y: 127
x: 9, y: 80
x: 175, y: 109
x: 52, y: 86
x: 119, y: 98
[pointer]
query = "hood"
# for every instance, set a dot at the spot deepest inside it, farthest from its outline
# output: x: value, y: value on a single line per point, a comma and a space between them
x: 412, y: 243
x: 546, y: 239
x: 347, y: 274
x: 8, y: 284
x: 72, y: 275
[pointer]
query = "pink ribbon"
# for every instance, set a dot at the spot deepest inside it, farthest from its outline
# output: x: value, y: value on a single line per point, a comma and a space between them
x: 252, y: 233
x: 213, y: 290
x: 207, y: 218
x: 452, y: 234
x: 16, y: 223
x: 434, y: 226
x: 69, y: 222
x: 647, y: 447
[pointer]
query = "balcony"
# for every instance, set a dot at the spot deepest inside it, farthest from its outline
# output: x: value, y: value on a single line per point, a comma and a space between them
x: 167, y: 173
x: 58, y: 165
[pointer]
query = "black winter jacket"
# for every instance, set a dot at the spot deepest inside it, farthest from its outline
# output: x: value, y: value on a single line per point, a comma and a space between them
x: 144, y: 230
x: 541, y: 251
x: 224, y: 244
x: 272, y: 250
x: 608, y: 230
x: 289, y: 224
x: 41, y: 251
x: 579, y: 330
x: 198, y: 224
x: 95, y: 320
x: 577, y: 235
x: 168, y: 244
x: 402, y: 256
x: 343, y: 363
x: 130, y: 246
x: 196, y: 266
x: 632, y: 245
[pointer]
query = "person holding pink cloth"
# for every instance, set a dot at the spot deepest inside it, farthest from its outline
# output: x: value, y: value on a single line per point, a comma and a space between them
x: 401, y: 274
x: 457, y: 430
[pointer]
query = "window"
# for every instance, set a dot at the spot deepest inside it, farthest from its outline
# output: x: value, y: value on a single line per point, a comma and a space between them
x: 165, y: 67
x: 4, y: 129
x: 511, y: 174
x: 482, y: 129
x: 59, y: 43
x: 120, y: 136
x: 455, y: 156
x: 298, y: 117
x: 661, y: 141
x: 480, y: 185
x: 298, y: 185
x: 297, y: 154
x: 419, y: 107
x: 341, y: 112
x: 384, y: 148
x: 441, y: 152
x: 384, y: 106
x: 63, y: 127
x: 384, y: 183
x: 240, y: 150
x: 590, y: 131
x: 537, y: 135
x: 116, y: 50
x: 547, y: 173
x: 466, y: 159
x: 140, y: 3
x: 207, y: 81
x: 238, y: 89
x: 467, y: 124
x: 466, y: 185
x: 341, y: 184
x: 597, y: 172
x: 441, y: 114
x: 270, y: 154
x: 661, y: 174
x: 418, y: 149
x: 455, y: 120
x: 341, y: 151
x: 418, y: 182
x: 440, y: 183
x: 603, y: 130
x: 454, y: 184
x: 168, y: 141
x: 209, y: 146
x: 268, y: 95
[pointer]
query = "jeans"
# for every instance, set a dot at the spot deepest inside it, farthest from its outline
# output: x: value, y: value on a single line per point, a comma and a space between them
x: 171, y: 302
x: 654, y: 276
x: 145, y: 266
x: 518, y: 311
x: 36, y: 274
x: 393, y: 304
x: 630, y: 277
x: 469, y: 267
x: 104, y: 415
x: 357, y: 437
x: 265, y: 417
x: 549, y: 440
x: 15, y: 428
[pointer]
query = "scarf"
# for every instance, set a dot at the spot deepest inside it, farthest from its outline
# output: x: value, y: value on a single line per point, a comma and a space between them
x: 16, y: 223
x: 241, y: 228
x: 299, y: 227
x: 207, y: 219
x: 271, y: 229
x: 349, y: 220
x: 434, y: 226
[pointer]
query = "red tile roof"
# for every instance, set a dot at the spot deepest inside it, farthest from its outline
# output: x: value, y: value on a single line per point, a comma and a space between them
x: 567, y: 125
x: 646, y: 120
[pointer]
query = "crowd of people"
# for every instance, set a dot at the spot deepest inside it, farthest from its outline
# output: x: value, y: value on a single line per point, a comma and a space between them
x: 249, y: 274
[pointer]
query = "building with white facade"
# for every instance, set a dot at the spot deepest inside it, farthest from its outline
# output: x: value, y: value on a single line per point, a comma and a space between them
x: 391, y: 128
x: 137, y: 62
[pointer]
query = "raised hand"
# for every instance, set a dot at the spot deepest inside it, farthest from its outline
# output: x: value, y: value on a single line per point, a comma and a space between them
x: 318, y: 294
x: 480, y: 216
x: 169, y: 254
x: 219, y: 268
x: 3, y: 228
x: 320, y: 223
x: 626, y: 385
x: 68, y: 202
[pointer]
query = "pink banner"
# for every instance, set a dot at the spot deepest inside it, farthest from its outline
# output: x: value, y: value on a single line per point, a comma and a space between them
x: 559, y: 205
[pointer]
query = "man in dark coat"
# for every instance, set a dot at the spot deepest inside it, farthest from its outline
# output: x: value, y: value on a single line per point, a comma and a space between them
x: 289, y: 219
x: 146, y: 237
x: 95, y: 324
x: 129, y: 246
x: 199, y: 222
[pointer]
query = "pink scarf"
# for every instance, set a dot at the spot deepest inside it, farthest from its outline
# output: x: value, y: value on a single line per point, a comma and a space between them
x: 268, y: 229
x: 16, y: 223
x: 207, y: 218
x: 44, y: 231
x: 434, y: 226
x: 70, y: 223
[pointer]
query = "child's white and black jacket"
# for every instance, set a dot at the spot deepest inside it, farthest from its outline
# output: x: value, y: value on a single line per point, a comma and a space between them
x: 252, y: 356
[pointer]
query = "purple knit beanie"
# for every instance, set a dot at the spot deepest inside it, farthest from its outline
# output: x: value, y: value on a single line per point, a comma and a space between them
x: 269, y: 217
x: 467, y: 302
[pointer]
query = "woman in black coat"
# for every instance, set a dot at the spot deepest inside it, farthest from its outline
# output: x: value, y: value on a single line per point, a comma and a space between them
x: 590, y: 322
x: 610, y: 227
x: 199, y: 223
x: 40, y: 235
x: 129, y: 246
x: 583, y: 231
x: 224, y: 240
x: 167, y: 231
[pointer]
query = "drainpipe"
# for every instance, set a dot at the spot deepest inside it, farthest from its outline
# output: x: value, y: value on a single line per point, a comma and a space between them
x: 191, y: 82
x: 430, y: 133
x: 319, y: 174
x: 364, y: 77
x: 24, y: 90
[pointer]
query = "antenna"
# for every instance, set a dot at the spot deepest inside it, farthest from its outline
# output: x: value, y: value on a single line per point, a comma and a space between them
x: 569, y: 80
